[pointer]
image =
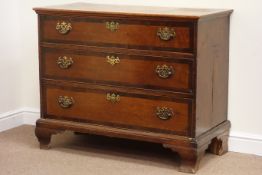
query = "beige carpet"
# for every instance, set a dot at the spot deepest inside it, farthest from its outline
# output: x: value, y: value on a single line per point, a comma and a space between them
x: 92, y: 155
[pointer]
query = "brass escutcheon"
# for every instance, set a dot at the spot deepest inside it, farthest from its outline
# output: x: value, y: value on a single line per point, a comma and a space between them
x: 65, y: 101
x: 166, y: 33
x: 63, y: 27
x: 112, y: 26
x: 164, y: 113
x: 164, y: 71
x: 113, y: 97
x: 64, y: 62
x: 113, y: 60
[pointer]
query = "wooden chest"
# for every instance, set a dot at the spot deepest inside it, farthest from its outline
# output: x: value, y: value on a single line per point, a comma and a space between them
x: 144, y: 73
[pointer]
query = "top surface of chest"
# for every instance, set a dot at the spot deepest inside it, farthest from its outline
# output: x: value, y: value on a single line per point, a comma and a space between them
x: 86, y: 8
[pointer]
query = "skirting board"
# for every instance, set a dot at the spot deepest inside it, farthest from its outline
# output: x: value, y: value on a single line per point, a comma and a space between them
x: 18, y: 117
x: 238, y: 141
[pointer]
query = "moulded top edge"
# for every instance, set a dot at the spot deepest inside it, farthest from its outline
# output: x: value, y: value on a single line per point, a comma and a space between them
x: 191, y: 13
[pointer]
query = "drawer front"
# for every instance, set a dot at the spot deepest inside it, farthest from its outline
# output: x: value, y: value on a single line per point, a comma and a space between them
x: 135, y: 71
x: 124, y: 33
x: 117, y: 109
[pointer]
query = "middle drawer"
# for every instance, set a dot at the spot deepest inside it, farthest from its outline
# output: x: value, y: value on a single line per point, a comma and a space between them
x: 118, y: 69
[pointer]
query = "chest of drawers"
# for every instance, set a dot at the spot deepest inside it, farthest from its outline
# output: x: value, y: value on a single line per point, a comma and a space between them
x: 142, y: 73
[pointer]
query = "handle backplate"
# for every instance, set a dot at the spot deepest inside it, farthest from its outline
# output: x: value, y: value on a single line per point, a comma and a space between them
x: 65, y: 101
x: 164, y: 71
x: 113, y: 97
x: 64, y: 62
x: 112, y: 26
x: 63, y: 27
x: 113, y: 60
x: 166, y: 33
x: 164, y: 113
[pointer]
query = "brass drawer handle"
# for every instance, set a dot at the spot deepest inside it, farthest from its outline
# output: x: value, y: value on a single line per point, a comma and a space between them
x: 164, y: 71
x: 64, y: 62
x: 164, y: 113
x: 65, y: 101
x: 63, y: 27
x: 113, y: 97
x: 166, y: 33
x: 113, y: 60
x: 112, y: 26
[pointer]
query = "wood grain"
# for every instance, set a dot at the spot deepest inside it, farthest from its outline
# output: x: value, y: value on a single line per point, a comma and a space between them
x: 135, y: 71
x: 132, y: 111
x: 131, y: 33
x: 212, y: 75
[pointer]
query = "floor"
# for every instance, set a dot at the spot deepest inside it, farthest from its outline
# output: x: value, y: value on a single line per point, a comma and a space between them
x: 95, y: 155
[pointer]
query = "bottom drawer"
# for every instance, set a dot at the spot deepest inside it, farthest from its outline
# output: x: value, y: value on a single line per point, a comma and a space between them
x: 117, y: 109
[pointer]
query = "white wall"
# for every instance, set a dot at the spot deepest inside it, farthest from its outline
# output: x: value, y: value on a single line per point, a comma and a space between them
x: 10, y: 57
x: 245, y: 56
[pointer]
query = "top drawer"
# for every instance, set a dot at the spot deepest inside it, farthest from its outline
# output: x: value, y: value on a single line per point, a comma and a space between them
x: 125, y: 33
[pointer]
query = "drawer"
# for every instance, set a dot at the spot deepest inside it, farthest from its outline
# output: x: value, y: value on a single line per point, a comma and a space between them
x: 118, y: 69
x: 117, y: 109
x: 124, y: 33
